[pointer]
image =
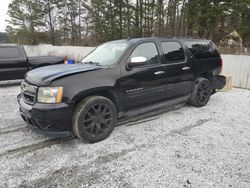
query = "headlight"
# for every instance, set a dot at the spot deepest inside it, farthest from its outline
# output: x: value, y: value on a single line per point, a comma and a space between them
x: 50, y: 94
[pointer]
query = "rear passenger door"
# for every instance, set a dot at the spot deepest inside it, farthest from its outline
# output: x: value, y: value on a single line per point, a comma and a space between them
x: 178, y: 70
x: 12, y: 63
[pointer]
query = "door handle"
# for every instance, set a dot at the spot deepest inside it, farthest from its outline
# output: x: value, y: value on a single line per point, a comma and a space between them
x: 186, y: 68
x: 159, y: 73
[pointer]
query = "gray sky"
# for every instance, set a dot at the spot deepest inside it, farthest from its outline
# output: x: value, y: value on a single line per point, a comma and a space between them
x: 3, y: 14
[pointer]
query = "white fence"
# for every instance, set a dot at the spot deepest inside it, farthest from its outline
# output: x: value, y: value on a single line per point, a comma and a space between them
x: 237, y: 66
x: 73, y: 52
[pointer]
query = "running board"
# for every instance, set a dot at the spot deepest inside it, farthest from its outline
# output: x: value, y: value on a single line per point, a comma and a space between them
x: 153, y: 107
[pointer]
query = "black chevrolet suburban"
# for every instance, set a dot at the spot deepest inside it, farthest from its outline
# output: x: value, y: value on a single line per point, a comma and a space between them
x: 119, y: 79
x: 14, y: 62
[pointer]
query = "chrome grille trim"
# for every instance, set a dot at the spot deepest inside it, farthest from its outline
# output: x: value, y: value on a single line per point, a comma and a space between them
x: 28, y: 92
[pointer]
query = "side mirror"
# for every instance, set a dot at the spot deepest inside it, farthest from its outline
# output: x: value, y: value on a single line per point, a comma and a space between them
x: 137, y: 61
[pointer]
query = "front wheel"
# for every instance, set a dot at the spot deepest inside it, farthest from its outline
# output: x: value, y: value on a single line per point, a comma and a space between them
x: 94, y: 119
x: 201, y: 93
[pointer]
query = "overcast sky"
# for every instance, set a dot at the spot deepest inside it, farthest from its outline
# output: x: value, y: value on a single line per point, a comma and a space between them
x: 3, y: 14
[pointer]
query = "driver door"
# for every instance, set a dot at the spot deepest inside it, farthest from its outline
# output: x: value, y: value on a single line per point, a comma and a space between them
x: 143, y: 84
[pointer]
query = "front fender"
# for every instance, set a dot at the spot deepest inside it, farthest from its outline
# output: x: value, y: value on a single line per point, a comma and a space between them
x: 83, y: 84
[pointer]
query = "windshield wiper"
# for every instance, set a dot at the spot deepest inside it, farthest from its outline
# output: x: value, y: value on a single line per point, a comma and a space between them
x: 92, y: 63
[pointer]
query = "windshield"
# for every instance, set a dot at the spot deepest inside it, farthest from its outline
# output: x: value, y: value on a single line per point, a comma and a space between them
x: 106, y: 54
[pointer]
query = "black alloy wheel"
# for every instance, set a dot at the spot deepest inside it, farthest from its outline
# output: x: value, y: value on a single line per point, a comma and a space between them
x: 201, y: 92
x: 97, y: 120
x: 94, y: 119
x: 204, y: 92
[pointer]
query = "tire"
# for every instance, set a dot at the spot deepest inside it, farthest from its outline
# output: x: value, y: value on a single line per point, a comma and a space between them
x: 94, y: 119
x: 201, y: 93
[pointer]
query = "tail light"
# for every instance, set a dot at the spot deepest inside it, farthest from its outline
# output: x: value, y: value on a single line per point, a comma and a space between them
x: 220, y: 64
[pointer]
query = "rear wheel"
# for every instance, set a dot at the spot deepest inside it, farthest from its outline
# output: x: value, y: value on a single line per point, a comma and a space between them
x: 94, y: 119
x: 201, y: 93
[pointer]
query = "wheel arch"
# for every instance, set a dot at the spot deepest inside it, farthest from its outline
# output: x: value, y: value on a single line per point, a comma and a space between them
x: 211, y: 77
x: 107, y: 92
x: 207, y: 75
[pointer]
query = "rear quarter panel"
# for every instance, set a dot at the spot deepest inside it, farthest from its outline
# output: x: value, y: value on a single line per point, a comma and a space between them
x: 205, y: 66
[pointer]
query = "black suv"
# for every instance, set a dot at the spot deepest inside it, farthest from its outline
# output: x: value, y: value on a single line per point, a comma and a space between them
x: 119, y: 79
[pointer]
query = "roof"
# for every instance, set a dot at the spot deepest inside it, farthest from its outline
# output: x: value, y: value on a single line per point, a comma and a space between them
x: 135, y: 40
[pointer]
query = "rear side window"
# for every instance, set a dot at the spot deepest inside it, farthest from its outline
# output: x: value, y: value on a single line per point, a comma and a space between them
x: 203, y: 50
x: 9, y: 52
x: 149, y: 51
x: 173, y: 51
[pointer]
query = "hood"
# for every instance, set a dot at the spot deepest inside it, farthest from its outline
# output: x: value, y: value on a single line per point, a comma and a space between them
x: 45, y: 75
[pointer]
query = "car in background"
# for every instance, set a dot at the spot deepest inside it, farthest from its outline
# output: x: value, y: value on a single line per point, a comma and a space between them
x: 119, y: 79
x: 14, y: 63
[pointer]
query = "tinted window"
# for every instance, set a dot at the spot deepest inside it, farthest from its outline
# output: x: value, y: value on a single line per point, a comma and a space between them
x: 149, y: 51
x: 9, y: 52
x: 202, y: 50
x: 173, y: 51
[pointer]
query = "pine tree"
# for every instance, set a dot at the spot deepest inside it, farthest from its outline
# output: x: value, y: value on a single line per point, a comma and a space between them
x: 85, y: 22
x: 26, y: 17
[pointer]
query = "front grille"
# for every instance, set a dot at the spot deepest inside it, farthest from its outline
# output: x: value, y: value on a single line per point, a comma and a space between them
x: 28, y: 93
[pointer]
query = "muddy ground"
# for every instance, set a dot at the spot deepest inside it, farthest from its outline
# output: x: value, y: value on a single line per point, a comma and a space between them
x: 185, y: 147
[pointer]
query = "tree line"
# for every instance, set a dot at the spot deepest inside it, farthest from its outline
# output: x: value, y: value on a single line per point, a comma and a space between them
x: 90, y: 22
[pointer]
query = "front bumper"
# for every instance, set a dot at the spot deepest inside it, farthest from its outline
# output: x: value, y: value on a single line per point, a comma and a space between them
x: 50, y: 119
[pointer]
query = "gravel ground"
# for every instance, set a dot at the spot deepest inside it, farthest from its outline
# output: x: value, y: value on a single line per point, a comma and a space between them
x: 186, y: 147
